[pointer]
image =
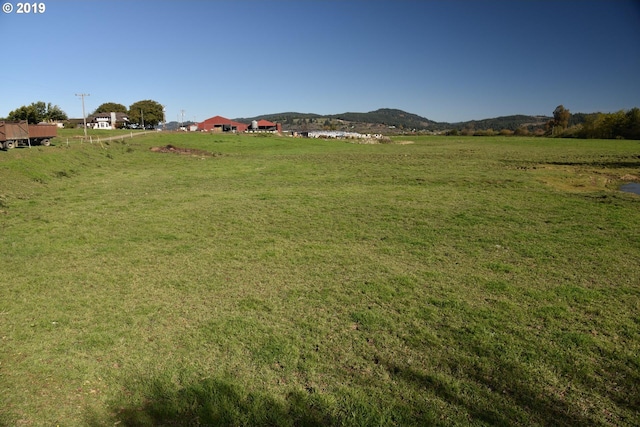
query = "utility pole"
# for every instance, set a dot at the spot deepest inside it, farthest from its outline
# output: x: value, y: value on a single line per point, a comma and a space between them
x: 182, y: 121
x: 142, y: 116
x: 84, y: 116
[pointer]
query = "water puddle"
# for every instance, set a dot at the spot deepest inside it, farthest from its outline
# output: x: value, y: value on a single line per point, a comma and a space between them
x: 632, y: 187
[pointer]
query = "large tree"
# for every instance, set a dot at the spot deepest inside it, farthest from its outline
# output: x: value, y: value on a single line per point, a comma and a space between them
x: 561, y: 117
x: 111, y: 107
x: 38, y: 112
x: 147, y: 110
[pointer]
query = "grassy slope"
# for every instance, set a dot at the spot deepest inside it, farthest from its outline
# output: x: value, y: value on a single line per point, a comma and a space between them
x: 451, y: 281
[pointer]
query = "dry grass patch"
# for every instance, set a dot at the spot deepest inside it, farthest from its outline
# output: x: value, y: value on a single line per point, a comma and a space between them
x: 579, y: 179
x: 185, y: 151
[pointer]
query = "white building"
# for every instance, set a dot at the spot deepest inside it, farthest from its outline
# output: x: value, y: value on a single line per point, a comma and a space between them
x: 108, y: 120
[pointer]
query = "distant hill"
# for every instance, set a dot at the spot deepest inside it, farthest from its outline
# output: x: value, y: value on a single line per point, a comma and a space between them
x: 388, y: 120
x: 176, y: 125
x: 505, y: 122
x: 389, y: 117
x: 381, y: 120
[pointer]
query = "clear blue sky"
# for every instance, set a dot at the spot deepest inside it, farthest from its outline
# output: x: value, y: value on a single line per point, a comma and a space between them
x: 450, y: 61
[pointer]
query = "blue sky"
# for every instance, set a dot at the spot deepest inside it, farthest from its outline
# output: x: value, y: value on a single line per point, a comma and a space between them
x: 449, y: 61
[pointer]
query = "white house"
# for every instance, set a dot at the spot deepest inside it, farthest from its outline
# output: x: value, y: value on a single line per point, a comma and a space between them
x: 108, y: 120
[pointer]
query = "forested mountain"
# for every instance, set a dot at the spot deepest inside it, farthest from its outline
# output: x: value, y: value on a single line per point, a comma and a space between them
x: 389, y: 117
x: 389, y: 120
x: 373, y: 121
x: 506, y: 122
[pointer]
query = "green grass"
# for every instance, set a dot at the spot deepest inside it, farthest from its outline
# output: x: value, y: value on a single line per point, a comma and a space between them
x: 280, y: 281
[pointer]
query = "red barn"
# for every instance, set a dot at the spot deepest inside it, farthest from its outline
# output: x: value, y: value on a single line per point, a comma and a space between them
x: 221, y: 124
x: 265, y: 125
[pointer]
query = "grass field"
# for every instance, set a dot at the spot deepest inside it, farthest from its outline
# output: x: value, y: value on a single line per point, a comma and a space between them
x: 279, y: 281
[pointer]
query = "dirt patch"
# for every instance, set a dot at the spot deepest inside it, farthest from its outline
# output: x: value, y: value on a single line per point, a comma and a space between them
x: 580, y: 179
x: 188, y: 151
x: 629, y: 177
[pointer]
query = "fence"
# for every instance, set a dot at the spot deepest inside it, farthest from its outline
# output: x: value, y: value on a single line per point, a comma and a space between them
x: 99, y: 140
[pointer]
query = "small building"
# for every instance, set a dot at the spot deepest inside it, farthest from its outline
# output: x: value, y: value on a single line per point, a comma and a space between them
x: 221, y: 124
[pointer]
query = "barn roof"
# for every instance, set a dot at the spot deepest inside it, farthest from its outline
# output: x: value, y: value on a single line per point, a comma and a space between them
x: 265, y: 123
x: 219, y: 120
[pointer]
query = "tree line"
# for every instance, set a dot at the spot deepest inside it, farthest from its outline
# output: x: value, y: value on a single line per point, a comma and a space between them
x: 619, y: 125
x: 149, y: 112
x: 623, y: 124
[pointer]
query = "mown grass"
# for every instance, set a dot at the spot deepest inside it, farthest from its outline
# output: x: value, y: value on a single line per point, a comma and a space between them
x: 452, y: 281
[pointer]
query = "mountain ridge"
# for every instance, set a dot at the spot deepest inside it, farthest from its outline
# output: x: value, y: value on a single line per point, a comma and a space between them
x: 391, y: 120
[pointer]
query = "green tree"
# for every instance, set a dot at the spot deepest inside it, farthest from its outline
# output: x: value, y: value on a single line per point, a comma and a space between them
x: 632, y: 130
x: 111, y: 107
x: 592, y: 126
x: 23, y: 113
x: 147, y: 110
x: 617, y: 123
x: 38, y: 112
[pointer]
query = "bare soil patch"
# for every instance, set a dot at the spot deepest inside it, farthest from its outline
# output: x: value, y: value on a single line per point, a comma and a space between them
x: 629, y: 177
x: 178, y: 150
x: 582, y: 179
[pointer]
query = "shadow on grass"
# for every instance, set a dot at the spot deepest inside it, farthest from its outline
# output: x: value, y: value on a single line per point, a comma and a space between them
x: 609, y: 164
x: 212, y: 403
x: 622, y: 373
x: 501, y: 398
